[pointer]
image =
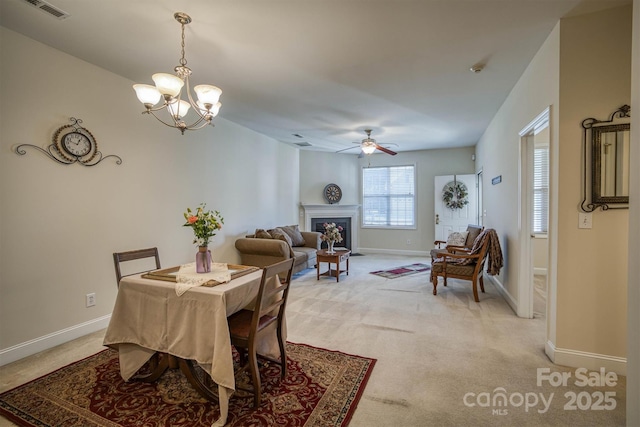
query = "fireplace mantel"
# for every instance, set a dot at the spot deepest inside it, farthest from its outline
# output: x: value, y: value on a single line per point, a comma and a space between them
x: 336, y: 210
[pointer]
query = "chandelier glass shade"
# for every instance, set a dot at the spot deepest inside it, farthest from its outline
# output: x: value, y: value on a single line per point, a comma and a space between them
x: 168, y: 88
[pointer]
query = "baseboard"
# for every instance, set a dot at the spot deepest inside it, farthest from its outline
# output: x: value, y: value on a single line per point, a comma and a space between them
x: 394, y: 252
x: 539, y: 271
x: 583, y: 359
x: 503, y: 291
x: 48, y: 341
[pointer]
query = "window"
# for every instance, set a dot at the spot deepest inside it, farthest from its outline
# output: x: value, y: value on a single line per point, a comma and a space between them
x: 388, y: 197
x: 540, y: 189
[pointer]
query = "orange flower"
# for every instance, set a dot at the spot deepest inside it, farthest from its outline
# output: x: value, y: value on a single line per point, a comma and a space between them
x: 192, y: 219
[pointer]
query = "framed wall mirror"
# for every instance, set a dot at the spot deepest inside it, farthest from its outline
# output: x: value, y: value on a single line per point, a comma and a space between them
x: 606, y: 167
x: 610, y: 173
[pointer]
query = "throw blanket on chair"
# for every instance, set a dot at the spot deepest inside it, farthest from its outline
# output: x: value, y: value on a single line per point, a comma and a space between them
x: 494, y: 252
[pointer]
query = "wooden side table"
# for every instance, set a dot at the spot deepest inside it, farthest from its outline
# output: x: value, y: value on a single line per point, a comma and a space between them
x: 336, y: 258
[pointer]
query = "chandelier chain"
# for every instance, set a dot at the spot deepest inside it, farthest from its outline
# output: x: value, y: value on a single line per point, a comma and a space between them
x: 183, y: 60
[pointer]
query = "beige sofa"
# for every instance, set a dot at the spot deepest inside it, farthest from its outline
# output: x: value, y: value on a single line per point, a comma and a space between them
x: 267, y: 247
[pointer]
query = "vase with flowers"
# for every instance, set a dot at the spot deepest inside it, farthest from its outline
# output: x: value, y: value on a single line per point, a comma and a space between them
x: 205, y: 224
x: 332, y: 234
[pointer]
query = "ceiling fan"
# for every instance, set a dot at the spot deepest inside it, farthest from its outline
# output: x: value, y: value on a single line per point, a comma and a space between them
x: 369, y: 145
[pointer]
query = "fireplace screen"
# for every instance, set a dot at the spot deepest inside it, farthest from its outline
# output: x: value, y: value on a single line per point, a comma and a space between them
x: 317, y: 224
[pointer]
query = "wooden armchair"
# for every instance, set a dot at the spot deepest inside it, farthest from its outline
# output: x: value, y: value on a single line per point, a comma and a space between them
x: 442, y: 248
x: 460, y: 263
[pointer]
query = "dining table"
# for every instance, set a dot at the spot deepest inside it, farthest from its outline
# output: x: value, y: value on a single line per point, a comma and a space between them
x: 150, y: 318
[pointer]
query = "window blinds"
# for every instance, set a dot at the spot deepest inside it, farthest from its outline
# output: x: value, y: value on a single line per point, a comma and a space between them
x: 388, y: 198
x: 540, y: 189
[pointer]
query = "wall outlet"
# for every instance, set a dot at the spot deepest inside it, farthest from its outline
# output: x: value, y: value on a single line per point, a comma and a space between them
x: 584, y: 220
x: 408, y: 241
x: 91, y: 299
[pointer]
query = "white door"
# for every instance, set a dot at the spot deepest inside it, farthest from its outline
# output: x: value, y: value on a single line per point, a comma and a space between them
x: 448, y: 217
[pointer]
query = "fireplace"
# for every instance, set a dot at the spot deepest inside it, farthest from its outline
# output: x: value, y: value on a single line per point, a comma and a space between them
x: 345, y: 215
x: 317, y: 224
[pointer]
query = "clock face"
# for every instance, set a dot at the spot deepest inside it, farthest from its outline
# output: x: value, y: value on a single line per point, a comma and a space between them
x: 332, y: 193
x: 76, y: 144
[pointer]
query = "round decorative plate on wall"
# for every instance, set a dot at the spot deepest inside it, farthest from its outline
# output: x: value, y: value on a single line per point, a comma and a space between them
x: 332, y: 193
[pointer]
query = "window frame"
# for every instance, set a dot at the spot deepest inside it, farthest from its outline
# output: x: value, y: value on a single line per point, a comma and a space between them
x: 414, y: 226
x: 535, y: 189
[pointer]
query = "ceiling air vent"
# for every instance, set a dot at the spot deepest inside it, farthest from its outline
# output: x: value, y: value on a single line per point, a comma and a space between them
x: 303, y: 144
x: 48, y: 8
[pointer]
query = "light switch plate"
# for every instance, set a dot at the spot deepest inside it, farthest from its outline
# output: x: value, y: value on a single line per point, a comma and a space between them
x: 584, y: 220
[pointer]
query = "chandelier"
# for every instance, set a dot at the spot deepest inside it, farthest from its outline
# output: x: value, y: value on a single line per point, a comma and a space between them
x: 169, y: 88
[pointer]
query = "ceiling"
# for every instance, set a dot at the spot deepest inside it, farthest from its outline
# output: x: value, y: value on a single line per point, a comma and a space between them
x: 321, y: 69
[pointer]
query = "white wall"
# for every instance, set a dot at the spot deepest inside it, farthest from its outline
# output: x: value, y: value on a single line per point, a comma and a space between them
x: 498, y: 153
x: 59, y: 224
x: 582, y: 70
x: 320, y: 169
x: 595, y: 80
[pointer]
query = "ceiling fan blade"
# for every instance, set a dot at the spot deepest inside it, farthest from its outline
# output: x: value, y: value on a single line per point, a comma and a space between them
x: 385, y: 150
x: 345, y: 149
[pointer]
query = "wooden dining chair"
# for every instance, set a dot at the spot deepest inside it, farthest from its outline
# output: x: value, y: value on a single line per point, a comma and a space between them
x: 138, y: 254
x: 248, y: 326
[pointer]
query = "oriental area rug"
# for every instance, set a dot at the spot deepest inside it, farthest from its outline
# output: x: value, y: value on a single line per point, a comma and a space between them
x: 405, y: 270
x: 322, y: 388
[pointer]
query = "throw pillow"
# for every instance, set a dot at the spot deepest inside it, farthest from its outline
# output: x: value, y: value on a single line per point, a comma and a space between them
x: 474, y: 232
x: 285, y: 238
x: 293, y: 231
x: 457, y: 238
x: 262, y: 234
x: 278, y: 233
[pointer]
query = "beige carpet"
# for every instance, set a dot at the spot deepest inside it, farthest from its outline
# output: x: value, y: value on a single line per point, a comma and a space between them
x: 539, y: 296
x: 431, y: 351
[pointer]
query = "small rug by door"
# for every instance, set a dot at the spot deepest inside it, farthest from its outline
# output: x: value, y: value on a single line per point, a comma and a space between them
x: 322, y: 388
x: 405, y: 270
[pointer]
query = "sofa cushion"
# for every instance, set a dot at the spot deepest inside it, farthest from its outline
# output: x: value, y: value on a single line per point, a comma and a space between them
x: 310, y: 253
x: 293, y: 231
x: 454, y: 269
x: 299, y: 257
x: 278, y: 233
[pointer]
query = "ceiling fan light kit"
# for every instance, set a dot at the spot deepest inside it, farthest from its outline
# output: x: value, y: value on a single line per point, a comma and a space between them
x: 369, y: 145
x: 169, y: 88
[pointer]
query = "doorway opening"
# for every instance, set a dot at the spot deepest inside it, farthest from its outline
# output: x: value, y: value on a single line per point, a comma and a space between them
x: 481, y: 211
x: 534, y: 214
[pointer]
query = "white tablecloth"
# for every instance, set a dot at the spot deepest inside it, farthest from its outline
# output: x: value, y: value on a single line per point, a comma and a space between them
x: 149, y: 317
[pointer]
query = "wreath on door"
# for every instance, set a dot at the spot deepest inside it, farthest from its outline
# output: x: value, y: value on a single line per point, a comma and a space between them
x: 455, y: 195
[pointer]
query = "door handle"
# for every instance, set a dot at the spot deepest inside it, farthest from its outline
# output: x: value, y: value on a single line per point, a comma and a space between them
x: 437, y: 219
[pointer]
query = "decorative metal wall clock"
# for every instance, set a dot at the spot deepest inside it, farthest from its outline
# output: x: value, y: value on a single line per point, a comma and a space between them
x: 72, y: 143
x: 332, y: 193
